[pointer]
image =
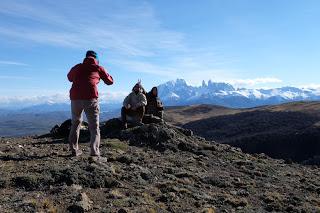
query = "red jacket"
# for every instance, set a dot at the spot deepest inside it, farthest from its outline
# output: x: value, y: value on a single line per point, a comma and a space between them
x: 85, y: 77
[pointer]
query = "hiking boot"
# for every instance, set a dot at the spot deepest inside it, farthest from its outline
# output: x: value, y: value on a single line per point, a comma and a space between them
x: 99, y: 159
x: 102, y: 159
x: 94, y: 155
x: 76, y: 153
x: 140, y: 123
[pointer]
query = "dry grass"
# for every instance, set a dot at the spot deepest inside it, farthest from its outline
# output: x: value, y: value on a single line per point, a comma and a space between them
x: 115, y: 144
x: 185, y: 114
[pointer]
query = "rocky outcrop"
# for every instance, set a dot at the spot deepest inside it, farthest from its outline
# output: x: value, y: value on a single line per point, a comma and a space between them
x: 62, y: 130
x: 110, y: 128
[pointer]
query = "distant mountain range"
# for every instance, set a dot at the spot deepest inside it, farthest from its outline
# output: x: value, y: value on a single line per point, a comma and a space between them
x: 178, y: 92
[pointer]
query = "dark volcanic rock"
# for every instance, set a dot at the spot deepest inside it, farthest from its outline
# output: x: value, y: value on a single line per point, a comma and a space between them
x: 82, y: 204
x: 3, y: 183
x: 160, y: 137
x: 111, y: 128
x: 63, y: 130
x: 26, y: 182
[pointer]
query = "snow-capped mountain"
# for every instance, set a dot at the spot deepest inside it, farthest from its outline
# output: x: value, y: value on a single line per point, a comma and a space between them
x: 178, y: 92
x: 174, y: 93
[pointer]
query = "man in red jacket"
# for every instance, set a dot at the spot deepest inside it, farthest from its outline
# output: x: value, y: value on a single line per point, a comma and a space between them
x: 84, y: 97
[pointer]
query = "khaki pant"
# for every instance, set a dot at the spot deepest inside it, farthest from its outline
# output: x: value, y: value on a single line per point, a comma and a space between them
x: 139, y: 112
x: 91, y: 109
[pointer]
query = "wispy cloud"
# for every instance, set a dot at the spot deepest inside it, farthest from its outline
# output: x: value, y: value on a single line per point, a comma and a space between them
x: 311, y: 86
x: 133, y: 35
x: 24, y: 101
x: 194, y: 67
x: 16, y: 63
x: 14, y: 77
x: 254, y: 82
x: 107, y: 97
x: 31, y: 100
x: 135, y: 32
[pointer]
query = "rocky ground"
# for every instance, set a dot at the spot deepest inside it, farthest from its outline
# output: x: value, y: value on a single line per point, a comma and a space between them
x: 152, y: 168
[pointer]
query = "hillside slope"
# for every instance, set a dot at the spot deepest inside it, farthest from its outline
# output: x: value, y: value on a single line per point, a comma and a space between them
x: 180, y: 115
x: 152, y: 168
x: 185, y: 114
x: 287, y: 131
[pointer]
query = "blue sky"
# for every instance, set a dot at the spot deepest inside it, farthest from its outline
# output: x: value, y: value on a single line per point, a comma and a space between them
x: 249, y: 43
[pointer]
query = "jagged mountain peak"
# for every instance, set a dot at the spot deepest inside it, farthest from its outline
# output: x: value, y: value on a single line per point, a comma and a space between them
x: 175, y: 83
x: 220, y: 93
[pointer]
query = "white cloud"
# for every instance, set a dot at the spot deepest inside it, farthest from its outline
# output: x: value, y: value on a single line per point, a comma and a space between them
x: 193, y: 66
x: 16, y: 63
x: 24, y: 101
x: 33, y: 100
x: 254, y: 82
x: 112, y: 97
x: 311, y: 86
x: 133, y: 35
x: 147, y: 68
x: 133, y: 31
x: 14, y: 77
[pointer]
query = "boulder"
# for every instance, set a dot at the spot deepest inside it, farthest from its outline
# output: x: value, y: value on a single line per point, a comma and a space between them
x: 149, y: 118
x: 64, y: 129
x: 83, y: 204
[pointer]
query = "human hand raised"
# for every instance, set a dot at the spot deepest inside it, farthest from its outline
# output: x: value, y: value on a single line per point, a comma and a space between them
x: 128, y: 106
